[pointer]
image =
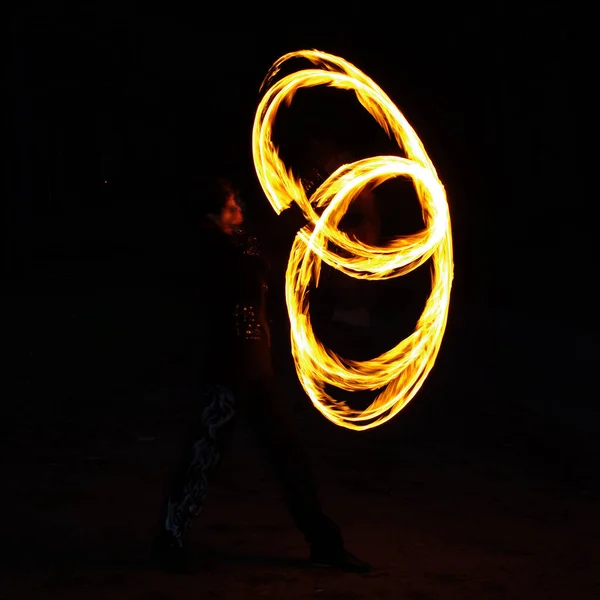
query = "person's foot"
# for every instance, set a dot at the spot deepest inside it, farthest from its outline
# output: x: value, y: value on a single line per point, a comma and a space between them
x: 170, y: 554
x: 337, y: 558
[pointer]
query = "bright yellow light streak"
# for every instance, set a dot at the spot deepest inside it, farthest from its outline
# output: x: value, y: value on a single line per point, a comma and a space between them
x: 400, y: 371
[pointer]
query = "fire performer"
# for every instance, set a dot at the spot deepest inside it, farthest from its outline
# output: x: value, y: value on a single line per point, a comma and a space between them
x: 240, y: 378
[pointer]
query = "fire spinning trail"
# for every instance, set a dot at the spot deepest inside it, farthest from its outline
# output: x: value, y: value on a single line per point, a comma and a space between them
x: 402, y: 370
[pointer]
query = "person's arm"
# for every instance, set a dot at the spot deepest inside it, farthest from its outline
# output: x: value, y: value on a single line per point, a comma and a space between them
x: 251, y: 320
x: 289, y: 222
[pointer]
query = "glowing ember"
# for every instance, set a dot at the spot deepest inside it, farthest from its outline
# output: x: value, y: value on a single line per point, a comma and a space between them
x: 402, y: 370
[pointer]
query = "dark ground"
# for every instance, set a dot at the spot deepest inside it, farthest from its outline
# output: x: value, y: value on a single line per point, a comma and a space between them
x: 465, y: 494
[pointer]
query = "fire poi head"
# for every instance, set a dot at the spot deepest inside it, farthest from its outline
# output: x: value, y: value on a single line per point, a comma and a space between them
x: 402, y: 370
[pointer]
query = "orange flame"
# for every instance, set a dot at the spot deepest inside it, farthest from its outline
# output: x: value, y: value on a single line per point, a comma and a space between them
x: 402, y: 370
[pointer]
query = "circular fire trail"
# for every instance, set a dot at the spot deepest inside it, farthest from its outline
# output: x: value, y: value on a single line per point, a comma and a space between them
x: 401, y: 371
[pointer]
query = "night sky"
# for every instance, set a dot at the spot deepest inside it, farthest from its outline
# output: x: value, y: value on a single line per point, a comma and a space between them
x: 139, y: 99
x: 112, y: 110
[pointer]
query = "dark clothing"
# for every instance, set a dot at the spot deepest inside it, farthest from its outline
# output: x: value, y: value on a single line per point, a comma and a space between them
x: 265, y: 407
x: 240, y: 377
x: 230, y: 292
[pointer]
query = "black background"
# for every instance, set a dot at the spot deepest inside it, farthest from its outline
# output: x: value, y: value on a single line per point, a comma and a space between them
x: 112, y: 108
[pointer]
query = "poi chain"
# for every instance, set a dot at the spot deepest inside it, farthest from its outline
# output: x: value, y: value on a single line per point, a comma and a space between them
x: 402, y: 370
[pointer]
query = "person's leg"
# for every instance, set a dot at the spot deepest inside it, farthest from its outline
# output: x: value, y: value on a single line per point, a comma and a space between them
x: 271, y: 416
x: 202, y: 454
x: 270, y: 412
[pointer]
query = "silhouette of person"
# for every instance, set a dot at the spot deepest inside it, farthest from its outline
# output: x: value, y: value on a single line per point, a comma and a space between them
x: 240, y: 378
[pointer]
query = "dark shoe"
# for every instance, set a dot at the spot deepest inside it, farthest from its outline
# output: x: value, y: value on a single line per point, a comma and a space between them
x: 337, y: 558
x: 171, y: 555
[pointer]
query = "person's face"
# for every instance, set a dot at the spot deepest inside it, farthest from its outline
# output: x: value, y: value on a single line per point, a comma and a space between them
x: 231, y: 214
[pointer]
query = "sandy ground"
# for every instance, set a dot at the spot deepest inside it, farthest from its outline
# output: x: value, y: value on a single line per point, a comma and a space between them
x: 462, y: 496
x: 440, y: 513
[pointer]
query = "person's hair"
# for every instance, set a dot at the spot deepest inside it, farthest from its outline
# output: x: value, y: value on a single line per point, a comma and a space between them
x: 208, y: 194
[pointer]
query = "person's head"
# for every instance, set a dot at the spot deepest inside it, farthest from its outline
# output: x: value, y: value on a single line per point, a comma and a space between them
x: 217, y: 199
